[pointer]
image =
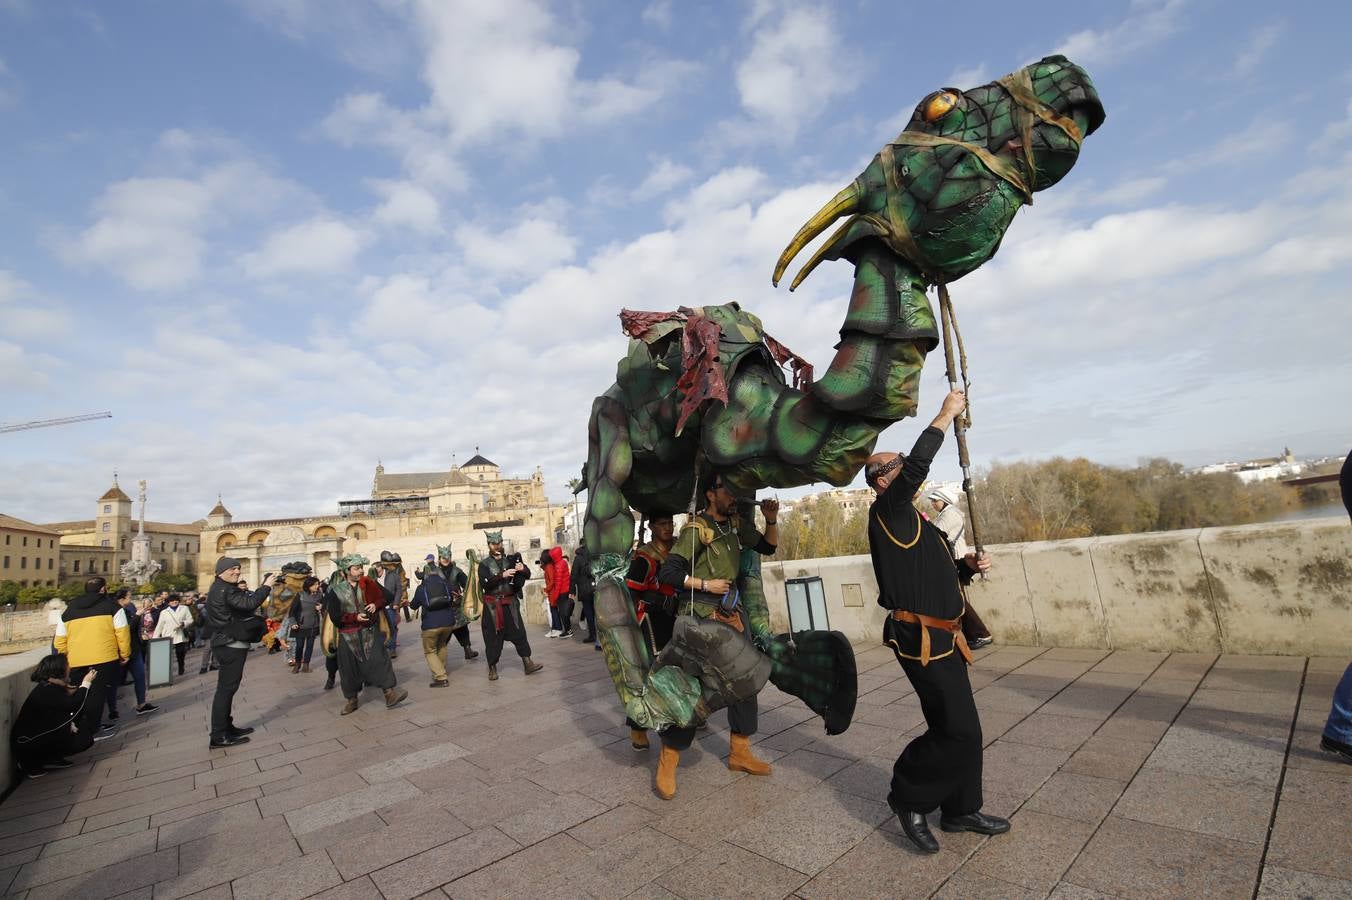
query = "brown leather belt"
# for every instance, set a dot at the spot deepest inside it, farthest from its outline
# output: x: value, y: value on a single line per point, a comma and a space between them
x: 952, y: 626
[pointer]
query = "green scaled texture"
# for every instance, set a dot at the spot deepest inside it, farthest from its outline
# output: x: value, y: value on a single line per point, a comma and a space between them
x: 932, y: 205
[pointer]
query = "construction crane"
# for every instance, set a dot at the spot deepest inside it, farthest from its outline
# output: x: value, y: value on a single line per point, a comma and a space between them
x: 48, y: 423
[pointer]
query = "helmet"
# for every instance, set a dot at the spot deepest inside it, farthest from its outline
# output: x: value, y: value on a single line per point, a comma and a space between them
x: 395, y: 557
x: 386, y: 556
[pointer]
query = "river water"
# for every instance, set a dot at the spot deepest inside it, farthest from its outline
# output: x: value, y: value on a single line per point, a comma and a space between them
x: 1312, y: 512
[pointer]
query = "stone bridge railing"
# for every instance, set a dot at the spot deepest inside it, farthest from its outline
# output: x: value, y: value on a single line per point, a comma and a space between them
x: 1275, y: 588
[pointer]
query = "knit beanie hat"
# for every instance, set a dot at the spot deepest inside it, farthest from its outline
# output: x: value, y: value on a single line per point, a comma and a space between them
x: 225, y: 562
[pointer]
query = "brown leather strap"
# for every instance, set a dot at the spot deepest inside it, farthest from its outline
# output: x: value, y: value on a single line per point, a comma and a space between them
x: 952, y: 626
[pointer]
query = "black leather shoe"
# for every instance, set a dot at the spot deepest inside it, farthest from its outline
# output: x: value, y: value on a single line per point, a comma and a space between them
x: 977, y: 821
x: 1337, y: 748
x: 916, y: 828
x: 229, y: 740
x: 240, y: 732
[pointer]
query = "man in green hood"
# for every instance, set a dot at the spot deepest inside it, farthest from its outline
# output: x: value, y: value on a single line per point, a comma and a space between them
x: 354, y: 604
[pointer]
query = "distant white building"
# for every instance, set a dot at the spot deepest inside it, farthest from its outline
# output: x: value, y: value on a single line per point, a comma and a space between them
x: 1267, y: 469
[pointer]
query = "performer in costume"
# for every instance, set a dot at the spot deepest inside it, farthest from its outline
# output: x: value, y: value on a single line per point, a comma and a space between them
x: 502, y: 578
x: 355, y: 604
x: 277, y: 609
x: 654, y: 602
x: 441, y: 599
x: 918, y: 582
x: 704, y: 568
x: 392, y: 577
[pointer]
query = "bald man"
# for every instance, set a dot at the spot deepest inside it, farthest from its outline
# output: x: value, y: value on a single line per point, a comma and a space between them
x: 919, y: 583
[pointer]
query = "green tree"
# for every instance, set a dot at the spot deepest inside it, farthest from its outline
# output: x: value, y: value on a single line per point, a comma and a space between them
x: 9, y: 592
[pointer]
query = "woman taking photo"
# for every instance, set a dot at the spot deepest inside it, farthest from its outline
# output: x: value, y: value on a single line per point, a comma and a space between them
x: 305, y: 611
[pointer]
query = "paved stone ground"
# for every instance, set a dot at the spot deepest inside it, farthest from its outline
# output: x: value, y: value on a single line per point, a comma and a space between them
x: 1126, y: 775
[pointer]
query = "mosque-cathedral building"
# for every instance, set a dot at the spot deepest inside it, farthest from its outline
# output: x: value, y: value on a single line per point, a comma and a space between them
x: 409, y: 513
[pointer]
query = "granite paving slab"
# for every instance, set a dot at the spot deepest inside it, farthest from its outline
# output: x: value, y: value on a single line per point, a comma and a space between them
x: 1126, y: 774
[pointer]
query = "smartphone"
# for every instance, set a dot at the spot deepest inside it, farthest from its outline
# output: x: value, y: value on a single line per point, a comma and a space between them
x: 731, y: 600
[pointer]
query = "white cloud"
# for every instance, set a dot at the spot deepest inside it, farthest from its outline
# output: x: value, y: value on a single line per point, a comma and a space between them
x: 796, y: 66
x: 371, y: 36
x: 969, y: 77
x: 666, y: 175
x: 151, y: 231
x: 526, y: 249
x: 407, y: 205
x: 148, y: 232
x: 494, y: 72
x: 1260, y: 42
x: 1149, y: 22
x: 658, y: 13
x: 28, y: 315
x: 319, y: 246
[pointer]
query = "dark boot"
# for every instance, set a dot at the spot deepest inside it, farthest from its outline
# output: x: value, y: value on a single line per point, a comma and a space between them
x: 305, y: 667
x: 328, y: 684
x: 530, y: 665
x: 471, y: 653
x: 916, y: 828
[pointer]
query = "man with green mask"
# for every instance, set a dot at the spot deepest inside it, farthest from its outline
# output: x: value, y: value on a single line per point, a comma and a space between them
x: 354, y: 604
x: 441, y: 597
x: 704, y: 568
x: 502, y: 578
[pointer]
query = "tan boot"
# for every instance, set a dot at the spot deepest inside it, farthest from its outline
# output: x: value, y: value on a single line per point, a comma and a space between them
x: 350, y: 708
x: 305, y: 667
x: 394, y: 696
x: 531, y: 666
x: 492, y: 673
x: 665, y: 782
x: 638, y: 738
x: 741, y: 759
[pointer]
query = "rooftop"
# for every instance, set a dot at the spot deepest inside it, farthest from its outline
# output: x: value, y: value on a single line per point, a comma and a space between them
x: 21, y: 525
x: 1125, y: 774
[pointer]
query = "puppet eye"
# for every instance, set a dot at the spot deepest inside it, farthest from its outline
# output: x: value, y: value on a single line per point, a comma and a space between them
x: 938, y: 105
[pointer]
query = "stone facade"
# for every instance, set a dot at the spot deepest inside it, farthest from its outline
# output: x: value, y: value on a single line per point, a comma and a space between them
x: 29, y: 554
x: 100, y: 546
x: 407, y: 513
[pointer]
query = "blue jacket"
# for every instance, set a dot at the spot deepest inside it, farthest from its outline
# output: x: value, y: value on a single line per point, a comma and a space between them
x: 436, y: 583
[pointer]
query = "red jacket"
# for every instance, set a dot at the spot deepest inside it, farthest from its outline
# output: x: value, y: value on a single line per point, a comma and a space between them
x: 557, y: 579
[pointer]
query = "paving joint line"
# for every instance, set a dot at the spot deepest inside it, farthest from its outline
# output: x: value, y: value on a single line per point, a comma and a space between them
x: 1281, y: 778
x: 1186, y: 704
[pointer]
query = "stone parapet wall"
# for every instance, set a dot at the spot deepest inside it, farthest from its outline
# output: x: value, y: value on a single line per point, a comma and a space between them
x: 1275, y: 588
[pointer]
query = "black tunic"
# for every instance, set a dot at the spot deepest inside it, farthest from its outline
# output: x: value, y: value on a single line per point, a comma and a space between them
x: 911, y: 558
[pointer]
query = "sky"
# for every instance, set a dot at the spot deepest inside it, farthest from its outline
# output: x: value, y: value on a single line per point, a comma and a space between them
x: 284, y: 239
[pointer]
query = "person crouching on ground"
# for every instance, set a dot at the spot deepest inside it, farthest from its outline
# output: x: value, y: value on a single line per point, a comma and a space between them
x: 48, y: 727
x: 918, y: 584
x: 355, y: 604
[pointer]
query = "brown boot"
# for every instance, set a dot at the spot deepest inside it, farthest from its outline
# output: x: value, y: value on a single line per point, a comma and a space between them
x: 350, y: 708
x: 741, y: 759
x: 305, y: 667
x: 492, y: 673
x: 295, y: 667
x: 665, y: 782
x: 530, y: 665
x: 394, y: 696
x: 638, y: 738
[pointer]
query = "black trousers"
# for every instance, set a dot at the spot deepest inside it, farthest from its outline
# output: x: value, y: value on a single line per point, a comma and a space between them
x: 495, y: 637
x: 462, y: 635
x: 941, y: 768
x: 743, y: 718
x: 181, y: 651
x: 972, y: 626
x: 108, y: 675
x: 228, y: 677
